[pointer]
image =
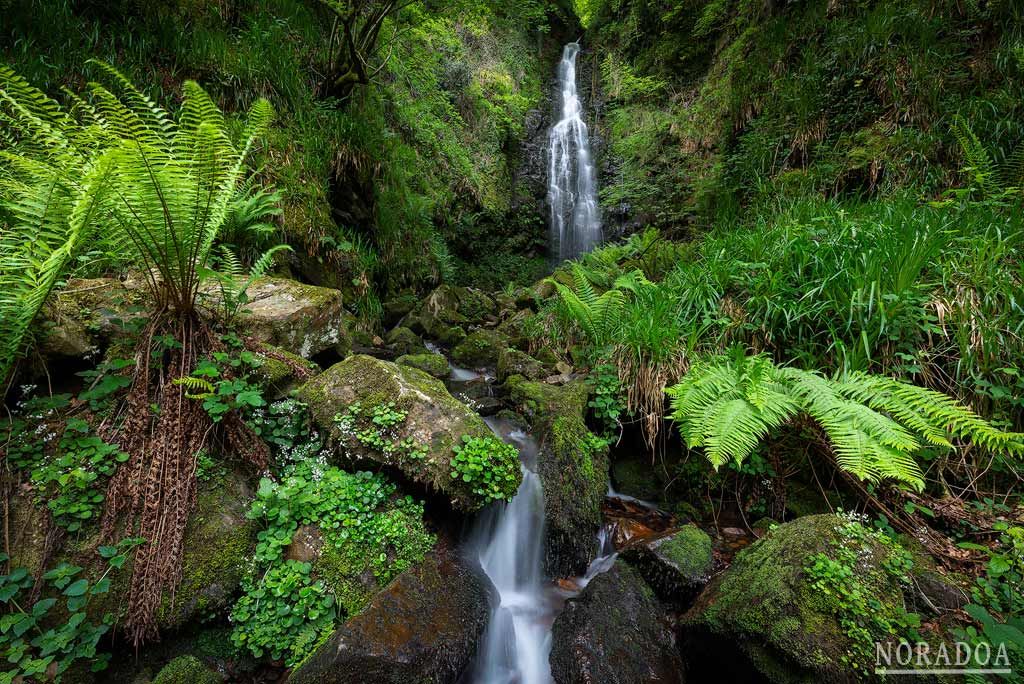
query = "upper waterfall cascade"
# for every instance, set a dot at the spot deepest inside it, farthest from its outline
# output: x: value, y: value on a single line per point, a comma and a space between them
x: 572, y: 184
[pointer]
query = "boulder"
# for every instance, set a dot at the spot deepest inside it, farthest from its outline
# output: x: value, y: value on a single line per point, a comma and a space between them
x: 218, y: 540
x: 187, y: 670
x: 303, y: 319
x: 573, y: 467
x: 514, y: 362
x: 480, y: 348
x: 423, y: 627
x: 676, y: 566
x: 280, y: 377
x: 434, y: 421
x: 766, y: 615
x: 447, y: 310
x: 85, y: 316
x: 404, y: 341
x: 430, y: 363
x: 395, y: 309
x: 614, y: 632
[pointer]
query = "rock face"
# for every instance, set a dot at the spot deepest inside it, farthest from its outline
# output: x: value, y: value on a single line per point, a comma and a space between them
x: 613, y: 633
x: 423, y: 627
x: 573, y: 469
x: 677, y: 566
x: 302, y: 319
x: 514, y: 362
x: 434, y: 420
x: 765, y: 612
x: 432, y: 364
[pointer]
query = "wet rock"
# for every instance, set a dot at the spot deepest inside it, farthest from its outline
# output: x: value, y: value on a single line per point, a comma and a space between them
x: 766, y: 613
x: 634, y: 475
x: 573, y: 467
x: 445, y: 313
x: 480, y: 348
x: 303, y: 319
x: 677, y: 566
x: 614, y: 633
x: 516, y: 328
x: 404, y: 341
x: 434, y: 420
x: 513, y: 362
x: 423, y: 627
x: 395, y: 309
x: 433, y: 364
x: 187, y: 670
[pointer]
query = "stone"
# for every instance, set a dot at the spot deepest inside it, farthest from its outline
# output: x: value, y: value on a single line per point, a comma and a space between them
x: 187, y: 670
x: 614, y: 632
x: 444, y: 313
x: 434, y: 420
x: 433, y: 364
x: 303, y: 319
x: 423, y: 627
x: 514, y: 362
x: 480, y: 348
x: 279, y: 377
x: 573, y: 468
x: 677, y: 566
x: 404, y: 341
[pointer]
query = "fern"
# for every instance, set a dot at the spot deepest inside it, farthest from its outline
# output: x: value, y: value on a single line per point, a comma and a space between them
x: 597, y: 316
x: 875, y: 424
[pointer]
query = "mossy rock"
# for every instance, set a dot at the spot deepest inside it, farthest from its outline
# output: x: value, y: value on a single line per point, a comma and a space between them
x: 615, y: 631
x: 187, y: 670
x: 634, y: 475
x: 677, y: 566
x: 434, y: 420
x: 404, y: 341
x: 218, y: 539
x: 480, y: 348
x: 304, y: 319
x: 279, y: 377
x: 26, y: 528
x: 434, y: 365
x: 515, y: 328
x: 765, y: 608
x: 573, y: 467
x: 514, y: 362
x: 399, y: 306
x: 446, y: 311
x: 424, y: 627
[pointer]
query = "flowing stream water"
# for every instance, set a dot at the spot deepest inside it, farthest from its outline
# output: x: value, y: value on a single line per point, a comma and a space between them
x: 508, y: 541
x: 572, y: 186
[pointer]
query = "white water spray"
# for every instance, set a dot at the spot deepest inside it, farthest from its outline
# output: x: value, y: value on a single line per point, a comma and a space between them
x: 509, y: 541
x: 572, y: 188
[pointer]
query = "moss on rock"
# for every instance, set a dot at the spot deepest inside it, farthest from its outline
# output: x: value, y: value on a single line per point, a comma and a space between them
x: 480, y: 348
x: 187, y: 670
x: 404, y: 341
x: 514, y: 362
x: 676, y: 566
x: 434, y: 365
x: 434, y: 420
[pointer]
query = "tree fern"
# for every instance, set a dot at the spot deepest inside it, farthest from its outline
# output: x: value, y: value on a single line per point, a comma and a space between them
x: 875, y: 424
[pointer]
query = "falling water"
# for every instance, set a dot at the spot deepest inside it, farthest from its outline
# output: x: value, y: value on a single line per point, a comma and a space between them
x: 508, y: 541
x: 572, y: 188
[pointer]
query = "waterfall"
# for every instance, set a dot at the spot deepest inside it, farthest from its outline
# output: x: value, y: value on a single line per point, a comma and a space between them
x: 572, y: 188
x: 508, y: 541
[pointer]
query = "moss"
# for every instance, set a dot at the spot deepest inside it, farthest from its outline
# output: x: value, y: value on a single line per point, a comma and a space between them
x: 186, y: 670
x: 218, y: 539
x: 405, y: 341
x: 433, y: 364
x: 351, y: 582
x: 690, y: 550
x: 480, y: 348
x: 279, y: 376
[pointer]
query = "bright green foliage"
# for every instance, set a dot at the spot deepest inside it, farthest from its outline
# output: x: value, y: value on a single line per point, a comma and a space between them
x: 37, y: 636
x: 875, y: 424
x: 596, y: 316
x: 224, y: 383
x: 606, y: 398
x: 283, y: 615
x: 839, y: 576
x: 489, y: 466
x: 374, y: 428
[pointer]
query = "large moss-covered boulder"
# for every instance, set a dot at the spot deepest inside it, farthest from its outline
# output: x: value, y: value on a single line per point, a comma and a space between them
x: 423, y: 627
x: 86, y: 315
x: 573, y: 467
x: 614, y: 632
x: 434, y: 421
x: 281, y: 371
x: 404, y: 341
x: 480, y: 348
x: 304, y: 319
x: 514, y: 362
x: 767, y: 613
x: 218, y: 539
x: 676, y: 566
x: 430, y: 363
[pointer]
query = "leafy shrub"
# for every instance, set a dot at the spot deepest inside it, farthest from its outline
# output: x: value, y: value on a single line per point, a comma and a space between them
x: 489, y: 465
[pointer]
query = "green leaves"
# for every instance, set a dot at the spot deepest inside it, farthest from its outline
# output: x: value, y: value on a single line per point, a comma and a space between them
x: 491, y: 467
x: 875, y: 424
